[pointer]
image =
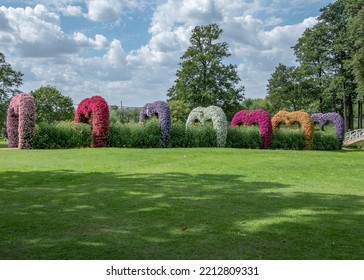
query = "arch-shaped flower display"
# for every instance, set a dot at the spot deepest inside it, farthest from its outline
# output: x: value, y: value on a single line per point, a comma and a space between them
x: 20, y: 121
x: 289, y: 118
x: 260, y: 117
x: 163, y: 113
x: 96, y: 109
x: 335, y: 118
x: 218, y: 118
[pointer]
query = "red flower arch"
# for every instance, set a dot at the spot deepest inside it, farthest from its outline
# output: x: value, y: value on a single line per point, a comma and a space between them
x: 20, y: 121
x: 260, y: 117
x: 96, y: 110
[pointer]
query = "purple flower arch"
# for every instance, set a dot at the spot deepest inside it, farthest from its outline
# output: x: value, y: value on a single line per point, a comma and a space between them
x: 260, y: 117
x: 20, y: 121
x: 163, y: 113
x: 97, y: 108
x: 335, y: 118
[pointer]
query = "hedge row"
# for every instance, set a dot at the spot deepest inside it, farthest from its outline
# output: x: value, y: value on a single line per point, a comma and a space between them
x: 134, y: 135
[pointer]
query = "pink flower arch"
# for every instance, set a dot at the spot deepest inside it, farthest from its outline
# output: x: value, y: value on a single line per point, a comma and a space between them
x: 20, y: 121
x: 260, y: 117
x: 95, y: 109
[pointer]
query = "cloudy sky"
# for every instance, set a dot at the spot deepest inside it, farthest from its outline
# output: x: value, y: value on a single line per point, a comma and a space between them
x: 128, y: 50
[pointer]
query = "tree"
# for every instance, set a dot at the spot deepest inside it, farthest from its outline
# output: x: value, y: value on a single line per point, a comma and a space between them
x: 179, y: 110
x: 357, y: 30
x: 289, y: 90
x: 203, y: 79
x: 10, y: 80
x: 52, y: 106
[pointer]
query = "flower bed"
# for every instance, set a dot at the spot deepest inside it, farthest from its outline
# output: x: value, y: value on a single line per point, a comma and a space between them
x: 163, y: 113
x: 97, y: 110
x: 20, y: 121
x: 218, y: 118
x: 260, y: 117
x: 303, y: 118
x: 335, y: 118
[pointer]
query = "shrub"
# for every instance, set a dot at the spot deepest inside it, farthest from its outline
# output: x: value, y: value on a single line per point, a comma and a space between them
x: 325, y: 141
x: 120, y: 135
x: 62, y: 135
x: 146, y: 135
x: 336, y: 119
x: 287, y: 139
x: 245, y: 137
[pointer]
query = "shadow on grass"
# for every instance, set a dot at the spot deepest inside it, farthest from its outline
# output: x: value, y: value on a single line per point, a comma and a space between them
x: 68, y: 215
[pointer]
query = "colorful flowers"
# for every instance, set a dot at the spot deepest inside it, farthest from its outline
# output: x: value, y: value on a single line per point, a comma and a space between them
x: 303, y: 118
x: 95, y: 109
x: 335, y: 118
x: 218, y: 118
x: 20, y: 121
x: 163, y: 113
x: 260, y: 117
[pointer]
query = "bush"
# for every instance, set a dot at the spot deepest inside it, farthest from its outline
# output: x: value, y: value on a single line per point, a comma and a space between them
x: 288, y: 139
x: 203, y: 136
x: 325, y: 141
x: 245, y: 137
x: 120, y: 135
x: 62, y: 135
x: 146, y: 135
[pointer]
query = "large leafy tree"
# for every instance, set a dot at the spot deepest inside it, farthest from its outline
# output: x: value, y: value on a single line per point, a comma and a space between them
x: 288, y: 89
x: 52, y: 106
x: 10, y: 80
x: 203, y: 79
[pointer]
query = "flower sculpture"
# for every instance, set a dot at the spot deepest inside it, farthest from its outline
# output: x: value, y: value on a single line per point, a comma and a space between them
x: 163, y: 113
x: 289, y: 118
x: 20, y: 121
x: 95, y: 109
x: 260, y: 117
x: 218, y: 118
x: 335, y: 118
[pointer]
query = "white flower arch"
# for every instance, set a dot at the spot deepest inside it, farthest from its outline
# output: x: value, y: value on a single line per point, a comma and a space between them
x: 218, y: 118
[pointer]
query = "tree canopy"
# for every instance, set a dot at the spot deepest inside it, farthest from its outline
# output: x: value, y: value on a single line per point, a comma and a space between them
x: 203, y: 79
x: 52, y: 105
x: 10, y: 80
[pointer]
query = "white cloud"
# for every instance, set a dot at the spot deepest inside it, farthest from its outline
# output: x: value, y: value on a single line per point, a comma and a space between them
x: 87, y: 62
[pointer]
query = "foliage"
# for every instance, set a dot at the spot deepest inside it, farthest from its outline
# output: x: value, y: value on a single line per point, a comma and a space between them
x: 303, y: 118
x: 336, y: 119
x: 260, y: 117
x: 161, y: 110
x: 218, y: 118
x: 52, y: 106
x: 179, y: 110
x: 287, y: 139
x: 21, y: 121
x: 244, y: 137
x: 10, y: 80
x: 203, y: 79
x: 288, y: 89
x: 325, y: 141
x: 96, y: 111
x: 124, y: 115
x: 62, y: 135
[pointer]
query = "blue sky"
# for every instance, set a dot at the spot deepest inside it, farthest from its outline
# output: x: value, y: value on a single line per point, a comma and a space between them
x: 129, y: 50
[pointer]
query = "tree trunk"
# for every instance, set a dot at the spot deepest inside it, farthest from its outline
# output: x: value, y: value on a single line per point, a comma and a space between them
x: 360, y: 114
x: 345, y: 115
x: 350, y: 112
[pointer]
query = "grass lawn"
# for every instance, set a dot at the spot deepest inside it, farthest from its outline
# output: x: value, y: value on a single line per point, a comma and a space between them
x: 181, y: 204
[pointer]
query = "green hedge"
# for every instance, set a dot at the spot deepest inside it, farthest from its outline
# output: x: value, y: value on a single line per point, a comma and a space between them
x: 147, y: 135
x: 61, y: 135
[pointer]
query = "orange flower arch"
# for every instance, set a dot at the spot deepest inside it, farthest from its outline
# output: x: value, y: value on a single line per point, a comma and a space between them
x: 289, y: 118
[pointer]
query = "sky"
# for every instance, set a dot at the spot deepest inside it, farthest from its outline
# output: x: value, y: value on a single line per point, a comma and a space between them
x: 128, y: 51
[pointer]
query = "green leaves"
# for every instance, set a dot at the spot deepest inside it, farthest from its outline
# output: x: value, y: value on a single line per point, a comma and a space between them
x: 203, y: 80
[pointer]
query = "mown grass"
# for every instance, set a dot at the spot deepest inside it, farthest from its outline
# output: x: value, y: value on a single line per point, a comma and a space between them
x: 181, y: 204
